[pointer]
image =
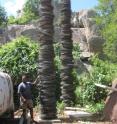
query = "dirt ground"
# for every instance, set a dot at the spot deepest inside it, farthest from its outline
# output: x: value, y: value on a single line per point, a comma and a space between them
x: 61, y: 120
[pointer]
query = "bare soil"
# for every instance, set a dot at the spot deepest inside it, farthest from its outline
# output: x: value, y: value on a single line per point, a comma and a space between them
x: 63, y: 120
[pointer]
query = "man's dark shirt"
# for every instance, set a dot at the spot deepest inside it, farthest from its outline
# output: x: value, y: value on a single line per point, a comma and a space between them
x: 24, y: 89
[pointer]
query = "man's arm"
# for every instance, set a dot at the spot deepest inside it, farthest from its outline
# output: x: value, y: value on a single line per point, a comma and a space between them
x: 36, y: 81
x: 22, y: 98
x: 20, y: 93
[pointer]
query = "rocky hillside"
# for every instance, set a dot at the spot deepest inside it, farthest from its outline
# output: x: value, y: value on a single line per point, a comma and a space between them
x: 85, y: 32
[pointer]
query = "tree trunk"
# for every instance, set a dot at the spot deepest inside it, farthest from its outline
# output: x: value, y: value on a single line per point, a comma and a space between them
x: 46, y: 62
x: 66, y: 54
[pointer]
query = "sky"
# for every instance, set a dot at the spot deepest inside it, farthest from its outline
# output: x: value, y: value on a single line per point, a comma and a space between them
x: 12, y: 6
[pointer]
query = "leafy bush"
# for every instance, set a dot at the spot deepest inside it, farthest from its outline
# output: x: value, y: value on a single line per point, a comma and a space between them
x: 106, y: 20
x: 19, y: 56
x: 24, y: 19
x: 102, y: 72
x: 12, y: 20
x: 60, y: 107
x: 96, y: 108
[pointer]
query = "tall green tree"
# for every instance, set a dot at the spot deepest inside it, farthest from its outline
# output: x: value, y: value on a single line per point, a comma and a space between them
x: 107, y: 18
x: 3, y: 16
x: 32, y: 6
x: 66, y: 54
x: 30, y: 12
x: 46, y: 62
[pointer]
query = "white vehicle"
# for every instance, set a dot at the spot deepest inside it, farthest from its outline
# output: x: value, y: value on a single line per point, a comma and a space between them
x: 6, y: 93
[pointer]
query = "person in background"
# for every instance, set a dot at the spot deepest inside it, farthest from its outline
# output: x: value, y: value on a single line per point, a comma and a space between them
x: 25, y: 94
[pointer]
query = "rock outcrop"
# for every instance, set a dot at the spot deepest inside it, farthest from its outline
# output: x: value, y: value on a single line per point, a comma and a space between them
x: 14, y: 31
x: 87, y: 33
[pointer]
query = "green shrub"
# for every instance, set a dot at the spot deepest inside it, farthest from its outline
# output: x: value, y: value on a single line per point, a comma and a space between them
x: 96, y: 108
x: 102, y: 72
x: 60, y: 107
x: 18, y: 57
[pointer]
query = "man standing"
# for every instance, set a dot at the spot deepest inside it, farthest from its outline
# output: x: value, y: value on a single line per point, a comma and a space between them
x: 24, y: 91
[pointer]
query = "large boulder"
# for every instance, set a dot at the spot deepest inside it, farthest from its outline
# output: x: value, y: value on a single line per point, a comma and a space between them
x: 87, y: 35
x: 14, y: 31
x: 95, y: 44
x: 30, y: 31
x: 78, y: 35
x: 6, y: 93
x: 84, y: 14
x: 83, y: 67
x: 91, y: 28
x: 2, y: 38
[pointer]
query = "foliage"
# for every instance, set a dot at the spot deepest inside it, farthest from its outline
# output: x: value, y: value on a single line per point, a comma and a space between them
x: 31, y: 6
x: 95, y: 108
x: 76, y: 51
x: 60, y: 107
x: 102, y: 72
x: 106, y: 19
x: 18, y: 57
x: 30, y: 12
x: 3, y: 16
x: 12, y: 20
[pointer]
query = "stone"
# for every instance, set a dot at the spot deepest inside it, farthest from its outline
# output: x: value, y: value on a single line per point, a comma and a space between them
x: 91, y: 28
x: 77, y: 113
x: 84, y: 14
x: 31, y: 32
x: 78, y: 35
x: 75, y: 19
x: 95, y: 44
x: 14, y: 31
x: 87, y: 35
x: 83, y: 67
x: 56, y: 121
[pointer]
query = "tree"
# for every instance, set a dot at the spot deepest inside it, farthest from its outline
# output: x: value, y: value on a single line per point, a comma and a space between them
x: 31, y: 6
x: 19, y: 56
x: 107, y: 19
x: 46, y: 62
x: 12, y: 20
x: 56, y: 5
x: 30, y: 12
x: 66, y: 54
x: 3, y: 17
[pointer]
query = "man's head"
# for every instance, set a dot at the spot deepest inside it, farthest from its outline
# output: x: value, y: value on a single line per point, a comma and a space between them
x: 24, y: 78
